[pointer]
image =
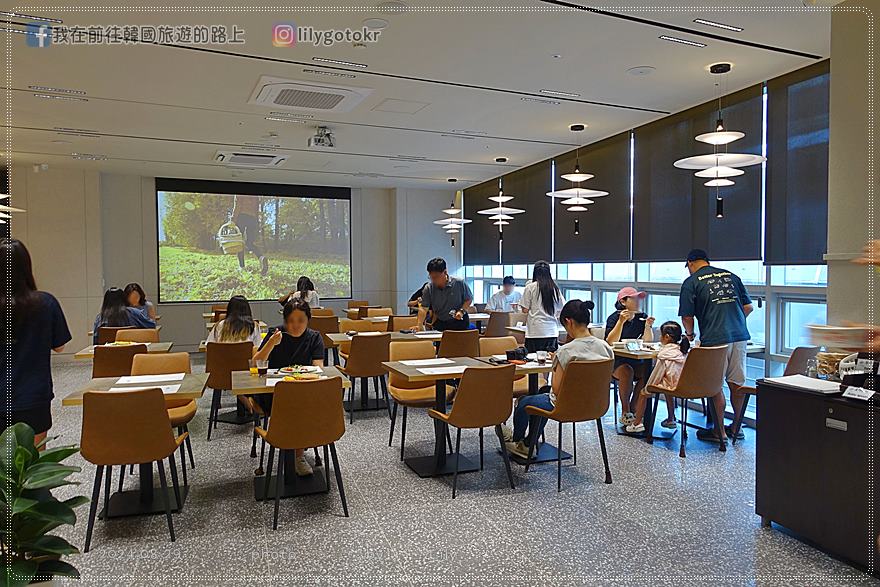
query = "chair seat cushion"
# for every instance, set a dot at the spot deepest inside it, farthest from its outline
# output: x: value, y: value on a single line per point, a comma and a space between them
x: 176, y: 403
x: 183, y: 414
x: 520, y: 386
x: 422, y: 397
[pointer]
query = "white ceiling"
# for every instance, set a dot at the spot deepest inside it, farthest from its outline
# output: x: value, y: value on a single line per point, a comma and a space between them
x: 165, y: 111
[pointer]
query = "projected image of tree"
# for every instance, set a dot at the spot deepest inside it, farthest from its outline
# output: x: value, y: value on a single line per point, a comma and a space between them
x: 213, y: 246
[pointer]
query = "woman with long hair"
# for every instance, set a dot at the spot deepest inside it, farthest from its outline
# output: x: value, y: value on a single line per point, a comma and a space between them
x: 33, y: 326
x: 116, y: 313
x: 305, y: 291
x: 238, y: 325
x: 542, y: 301
x: 136, y: 298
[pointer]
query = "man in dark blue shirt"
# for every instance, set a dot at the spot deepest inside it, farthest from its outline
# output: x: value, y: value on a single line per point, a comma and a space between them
x: 446, y: 297
x: 720, y: 303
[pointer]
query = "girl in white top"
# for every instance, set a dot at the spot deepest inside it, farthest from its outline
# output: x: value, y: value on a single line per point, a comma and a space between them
x: 543, y: 301
x: 238, y: 326
x: 305, y: 290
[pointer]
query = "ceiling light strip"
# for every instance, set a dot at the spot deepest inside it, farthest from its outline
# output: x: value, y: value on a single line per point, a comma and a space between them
x: 339, y: 62
x: 682, y: 41
x: 718, y: 25
x: 31, y: 17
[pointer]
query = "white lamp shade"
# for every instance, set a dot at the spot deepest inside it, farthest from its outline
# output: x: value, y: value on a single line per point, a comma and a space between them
x: 577, y: 193
x: 721, y: 137
x: 719, y: 160
x: 4, y: 208
x: 500, y: 222
x: 451, y: 210
x: 577, y: 209
x: 452, y: 230
x: 576, y: 202
x: 452, y: 221
x: 577, y: 177
x: 720, y: 171
x: 718, y: 183
x: 500, y: 210
x: 501, y: 217
x: 501, y: 199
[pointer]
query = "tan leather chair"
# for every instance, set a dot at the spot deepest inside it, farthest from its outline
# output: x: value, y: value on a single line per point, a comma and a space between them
x: 368, y: 352
x: 304, y: 414
x: 378, y: 312
x: 797, y: 364
x: 138, y: 335
x: 346, y: 325
x: 396, y: 323
x: 326, y: 325
x: 115, y: 361
x: 218, y: 307
x: 583, y: 396
x: 497, y: 324
x: 180, y: 411
x: 357, y: 303
x: 411, y: 394
x: 499, y: 346
x: 322, y: 312
x: 701, y: 378
x: 459, y: 343
x: 127, y: 427
x: 480, y: 307
x: 484, y: 398
x: 222, y: 358
x: 219, y: 315
x: 514, y: 319
x: 108, y: 333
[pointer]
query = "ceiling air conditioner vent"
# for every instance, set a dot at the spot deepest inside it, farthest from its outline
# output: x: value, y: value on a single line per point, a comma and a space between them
x: 244, y: 159
x: 277, y: 92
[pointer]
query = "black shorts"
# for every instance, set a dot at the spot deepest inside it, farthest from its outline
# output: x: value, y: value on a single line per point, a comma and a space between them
x: 39, y: 418
x: 463, y: 324
x: 637, y: 364
x: 534, y: 345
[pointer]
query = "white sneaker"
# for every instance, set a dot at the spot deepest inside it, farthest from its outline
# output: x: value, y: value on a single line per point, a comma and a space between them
x: 507, y: 433
x: 669, y: 423
x: 518, y: 448
x: 627, y: 418
x: 302, y: 466
x: 635, y: 428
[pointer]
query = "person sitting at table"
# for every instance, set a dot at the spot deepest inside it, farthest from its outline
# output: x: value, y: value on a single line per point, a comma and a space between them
x: 238, y: 326
x: 415, y: 300
x: 292, y: 343
x: 628, y: 321
x: 575, y: 317
x: 447, y: 298
x: 507, y: 299
x: 305, y: 290
x: 115, y: 313
x: 666, y: 373
x: 136, y: 298
x: 542, y: 301
x: 33, y: 325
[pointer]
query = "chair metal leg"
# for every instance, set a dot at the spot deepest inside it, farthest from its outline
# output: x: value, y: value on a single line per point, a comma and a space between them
x: 559, y: 460
x: 393, y: 421
x: 615, y: 393
x: 326, y: 468
x: 268, y: 478
x: 335, y: 355
x: 254, y: 437
x: 737, y: 421
x: 481, y: 449
x: 189, y: 448
x: 403, y: 432
x: 719, y: 427
x: 278, y: 480
x: 574, y: 443
x: 212, y: 414
x: 448, y: 438
x: 684, y: 424
x: 182, y: 456
x: 376, y: 389
x: 457, y: 453
x: 338, y: 478
x: 164, y: 486
x: 317, y: 456
x: 387, y: 399
x: 533, y: 438
x: 604, y: 450
x: 93, y: 507
x: 172, y: 465
x: 107, y: 491
x: 131, y: 469
x: 326, y: 356
x: 121, y: 477
x: 504, y: 454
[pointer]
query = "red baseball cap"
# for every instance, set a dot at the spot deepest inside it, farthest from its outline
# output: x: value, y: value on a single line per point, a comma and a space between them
x: 630, y: 292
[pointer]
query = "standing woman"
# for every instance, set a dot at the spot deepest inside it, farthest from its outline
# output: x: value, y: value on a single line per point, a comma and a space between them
x: 33, y: 325
x: 628, y: 321
x: 137, y: 299
x: 542, y: 301
x: 115, y: 312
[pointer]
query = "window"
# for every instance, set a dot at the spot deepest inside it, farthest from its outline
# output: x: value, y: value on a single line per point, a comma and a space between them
x: 578, y: 294
x: 751, y: 272
x: 494, y: 271
x: 756, y: 323
x: 799, y: 275
x: 606, y: 308
x: 580, y: 271
x: 478, y: 270
x: 663, y: 307
x: 614, y: 272
x: 663, y: 272
x: 796, y: 314
x: 479, y: 291
x: 521, y: 271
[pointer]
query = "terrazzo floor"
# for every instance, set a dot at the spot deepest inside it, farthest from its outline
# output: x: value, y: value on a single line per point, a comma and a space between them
x: 664, y: 520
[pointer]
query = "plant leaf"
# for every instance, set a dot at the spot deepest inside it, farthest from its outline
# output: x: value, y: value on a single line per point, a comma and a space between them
x: 58, y: 454
x: 56, y: 567
x: 21, y: 459
x: 22, y: 504
x: 48, y: 544
x: 48, y: 475
x: 20, y: 572
x: 52, y: 511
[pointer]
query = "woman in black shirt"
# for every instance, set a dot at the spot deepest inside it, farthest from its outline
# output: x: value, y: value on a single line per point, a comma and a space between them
x: 292, y: 343
x: 628, y: 321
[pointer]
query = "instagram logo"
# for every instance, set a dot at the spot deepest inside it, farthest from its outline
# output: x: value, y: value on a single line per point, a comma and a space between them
x: 284, y: 34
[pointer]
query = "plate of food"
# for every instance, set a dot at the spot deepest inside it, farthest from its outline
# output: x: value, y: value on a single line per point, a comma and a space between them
x: 302, y: 377
x: 300, y: 369
x: 119, y: 343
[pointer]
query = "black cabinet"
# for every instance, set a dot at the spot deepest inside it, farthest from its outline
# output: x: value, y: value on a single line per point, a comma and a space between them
x: 816, y: 470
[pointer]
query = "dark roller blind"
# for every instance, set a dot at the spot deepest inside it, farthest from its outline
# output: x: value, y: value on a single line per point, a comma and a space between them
x: 672, y: 210
x: 4, y: 189
x: 604, y: 233
x: 797, y: 166
x: 528, y: 236
x: 480, y: 237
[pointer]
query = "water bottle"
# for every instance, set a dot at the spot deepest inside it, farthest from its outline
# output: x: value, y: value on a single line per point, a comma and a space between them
x: 812, y: 368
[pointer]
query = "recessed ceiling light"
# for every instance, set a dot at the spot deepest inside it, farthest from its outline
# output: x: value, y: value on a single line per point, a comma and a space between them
x: 339, y: 62
x: 718, y: 25
x: 394, y: 7
x: 375, y: 23
x: 557, y: 56
x: 290, y: 115
x: 468, y: 132
x: 74, y: 130
x: 53, y: 97
x: 682, y: 41
x: 540, y: 101
x: 577, y: 127
x: 463, y: 137
x: 452, y: 180
x: 88, y: 156
x: 283, y: 119
x: 31, y: 17
x: 560, y: 93
x: 640, y: 70
x: 330, y: 73
x: 57, y: 90
x: 500, y: 159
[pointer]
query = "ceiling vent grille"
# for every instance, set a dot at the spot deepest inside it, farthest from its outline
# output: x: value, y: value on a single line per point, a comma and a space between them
x: 300, y: 95
x: 244, y: 159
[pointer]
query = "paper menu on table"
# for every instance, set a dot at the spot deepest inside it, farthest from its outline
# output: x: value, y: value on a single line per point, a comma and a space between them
x: 166, y: 389
x: 146, y: 344
x: 807, y: 383
x: 455, y: 370
x: 426, y: 362
x: 271, y: 381
x: 132, y: 379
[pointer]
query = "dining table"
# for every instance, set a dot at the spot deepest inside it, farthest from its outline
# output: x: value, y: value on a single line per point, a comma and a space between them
x: 88, y: 353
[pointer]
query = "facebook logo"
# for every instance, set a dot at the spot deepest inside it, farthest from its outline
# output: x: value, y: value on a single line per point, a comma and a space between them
x: 38, y: 35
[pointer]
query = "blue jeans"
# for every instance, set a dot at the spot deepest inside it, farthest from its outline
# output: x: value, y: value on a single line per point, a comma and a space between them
x: 521, y: 418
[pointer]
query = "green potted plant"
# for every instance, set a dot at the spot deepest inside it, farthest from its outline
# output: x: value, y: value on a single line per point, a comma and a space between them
x: 30, y: 512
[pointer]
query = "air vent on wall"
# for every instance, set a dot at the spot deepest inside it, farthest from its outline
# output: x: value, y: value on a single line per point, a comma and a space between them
x: 302, y: 95
x: 245, y: 159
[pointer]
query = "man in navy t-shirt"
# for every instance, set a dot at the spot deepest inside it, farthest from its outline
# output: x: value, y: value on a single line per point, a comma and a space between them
x: 720, y: 303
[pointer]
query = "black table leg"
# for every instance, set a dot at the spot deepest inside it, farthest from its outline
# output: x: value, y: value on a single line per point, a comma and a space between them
x: 145, y: 500
x: 237, y: 416
x: 293, y: 485
x: 533, y: 383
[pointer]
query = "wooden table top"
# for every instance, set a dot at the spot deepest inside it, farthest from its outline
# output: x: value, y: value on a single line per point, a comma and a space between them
x: 339, y: 337
x: 651, y: 354
x: 528, y: 369
x: 243, y: 383
x: 191, y: 387
x: 158, y: 327
x: 413, y: 373
x: 522, y: 329
x: 153, y: 347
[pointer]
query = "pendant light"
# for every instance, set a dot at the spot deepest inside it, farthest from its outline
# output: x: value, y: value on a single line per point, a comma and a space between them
x: 577, y: 176
x: 576, y: 199
x: 454, y: 223
x: 500, y: 214
x: 719, y: 166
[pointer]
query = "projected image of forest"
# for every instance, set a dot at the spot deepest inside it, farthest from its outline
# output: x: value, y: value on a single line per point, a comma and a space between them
x: 213, y: 246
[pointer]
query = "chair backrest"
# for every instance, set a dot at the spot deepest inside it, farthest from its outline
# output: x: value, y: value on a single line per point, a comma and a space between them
x: 125, y: 427
x: 497, y: 324
x: 459, y: 343
x: 480, y: 307
x: 306, y: 414
x: 367, y: 353
x: 223, y: 358
x: 325, y: 325
x: 108, y: 333
x: 322, y: 312
x: 347, y: 325
x: 115, y: 361
x: 138, y: 335
x: 583, y: 393
x: 514, y: 319
x: 218, y: 307
x: 402, y: 322
x: 376, y: 312
x: 160, y: 363
x: 218, y: 316
x: 357, y: 303
x: 484, y: 397
x: 703, y: 372
x: 497, y: 345
x: 406, y: 351
x: 797, y: 362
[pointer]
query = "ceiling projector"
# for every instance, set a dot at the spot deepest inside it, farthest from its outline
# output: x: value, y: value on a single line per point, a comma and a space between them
x: 323, y: 139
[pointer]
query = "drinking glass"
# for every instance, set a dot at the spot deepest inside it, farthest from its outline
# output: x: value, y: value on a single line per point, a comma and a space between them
x: 263, y: 367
